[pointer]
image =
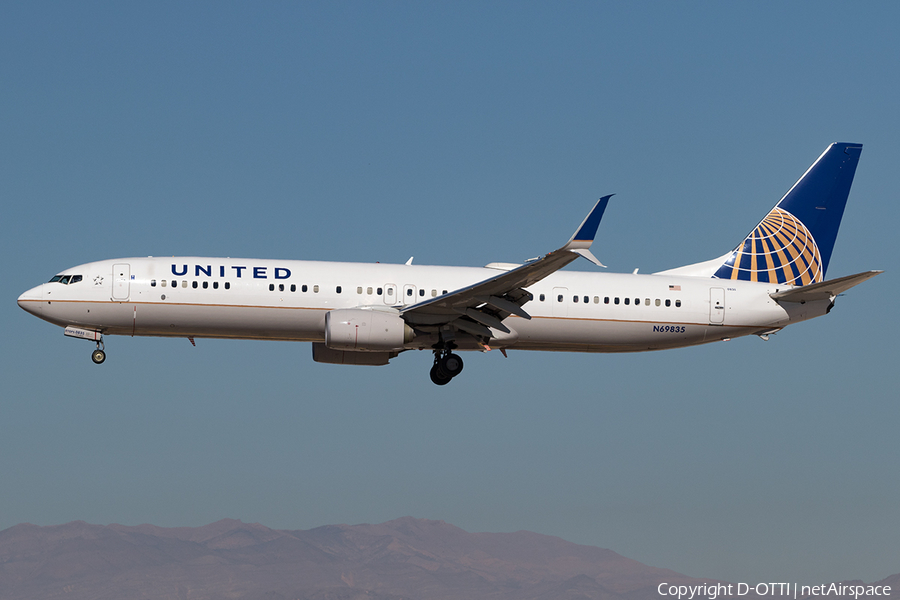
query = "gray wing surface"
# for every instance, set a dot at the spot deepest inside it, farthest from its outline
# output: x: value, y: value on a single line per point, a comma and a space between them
x: 485, y: 304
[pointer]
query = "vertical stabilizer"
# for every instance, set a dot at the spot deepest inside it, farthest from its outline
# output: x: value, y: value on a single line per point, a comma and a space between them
x: 793, y: 244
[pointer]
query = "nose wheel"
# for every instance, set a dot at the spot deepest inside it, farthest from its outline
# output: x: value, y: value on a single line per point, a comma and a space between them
x: 98, y: 355
x: 446, y: 366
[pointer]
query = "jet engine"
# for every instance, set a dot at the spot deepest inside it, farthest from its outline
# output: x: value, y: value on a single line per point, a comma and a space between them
x: 366, y: 330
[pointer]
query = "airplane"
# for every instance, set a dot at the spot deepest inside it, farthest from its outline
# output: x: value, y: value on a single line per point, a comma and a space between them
x: 367, y: 314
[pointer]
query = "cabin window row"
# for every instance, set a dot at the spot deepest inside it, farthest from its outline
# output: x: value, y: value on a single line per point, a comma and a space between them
x: 615, y: 300
x: 280, y: 287
x: 194, y: 284
x: 293, y: 287
x: 359, y: 290
x: 409, y: 292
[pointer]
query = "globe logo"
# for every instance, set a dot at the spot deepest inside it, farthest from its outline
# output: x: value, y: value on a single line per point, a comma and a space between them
x: 780, y: 250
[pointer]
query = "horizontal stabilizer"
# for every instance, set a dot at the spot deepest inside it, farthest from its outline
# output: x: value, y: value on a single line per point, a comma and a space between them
x: 824, y: 290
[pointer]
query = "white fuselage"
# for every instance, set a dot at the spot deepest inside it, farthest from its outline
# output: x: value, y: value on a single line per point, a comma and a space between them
x: 288, y: 300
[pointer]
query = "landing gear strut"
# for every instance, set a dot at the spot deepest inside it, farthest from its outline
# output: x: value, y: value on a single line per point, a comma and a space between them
x: 446, y: 366
x: 98, y: 355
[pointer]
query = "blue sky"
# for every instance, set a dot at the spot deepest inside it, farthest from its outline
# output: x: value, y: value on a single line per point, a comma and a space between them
x: 461, y: 133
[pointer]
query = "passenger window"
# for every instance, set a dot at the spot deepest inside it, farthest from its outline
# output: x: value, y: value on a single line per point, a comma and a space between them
x: 315, y: 289
x: 678, y: 304
x: 422, y: 292
x: 409, y: 292
x: 162, y: 283
x: 194, y: 284
x: 637, y: 301
x: 646, y: 301
x: 75, y: 279
x: 627, y: 301
x: 434, y: 293
x: 280, y: 287
x: 184, y: 283
x: 596, y: 299
x: 606, y: 300
x: 359, y: 290
x: 227, y: 285
x: 304, y: 288
x: 293, y: 287
x: 271, y: 287
x: 174, y: 284
x: 559, y: 298
x: 542, y: 297
x: 380, y: 291
x: 152, y: 283
x: 586, y: 299
x: 215, y: 285
x: 575, y: 299
x: 668, y: 302
x: 205, y: 285
x: 616, y: 301
x: 390, y: 291
x: 369, y: 291
x: 338, y: 289
x: 444, y: 292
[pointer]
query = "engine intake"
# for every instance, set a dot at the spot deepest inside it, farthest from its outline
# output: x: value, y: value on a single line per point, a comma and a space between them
x: 365, y: 330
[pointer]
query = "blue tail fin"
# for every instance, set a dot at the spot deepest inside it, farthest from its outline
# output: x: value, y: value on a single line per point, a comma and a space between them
x: 793, y: 243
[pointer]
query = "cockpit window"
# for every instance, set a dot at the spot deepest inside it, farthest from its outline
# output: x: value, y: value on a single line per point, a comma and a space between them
x: 66, y: 279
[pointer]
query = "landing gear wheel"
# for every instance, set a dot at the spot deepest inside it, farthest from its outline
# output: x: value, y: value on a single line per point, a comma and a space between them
x: 98, y: 356
x: 446, y: 366
x: 438, y: 377
x: 451, y: 365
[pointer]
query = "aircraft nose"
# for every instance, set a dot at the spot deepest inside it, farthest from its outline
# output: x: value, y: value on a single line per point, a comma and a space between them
x: 30, y: 301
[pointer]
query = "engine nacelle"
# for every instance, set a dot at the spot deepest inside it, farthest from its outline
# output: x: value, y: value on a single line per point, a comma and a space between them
x: 365, y: 330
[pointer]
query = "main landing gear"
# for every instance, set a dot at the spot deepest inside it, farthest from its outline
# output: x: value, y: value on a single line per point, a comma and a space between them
x: 98, y: 355
x: 446, y: 366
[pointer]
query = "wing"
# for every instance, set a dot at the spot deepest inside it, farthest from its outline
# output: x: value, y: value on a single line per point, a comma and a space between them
x: 475, y: 308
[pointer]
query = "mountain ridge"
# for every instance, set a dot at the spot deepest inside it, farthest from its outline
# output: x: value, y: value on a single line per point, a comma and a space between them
x: 402, y: 558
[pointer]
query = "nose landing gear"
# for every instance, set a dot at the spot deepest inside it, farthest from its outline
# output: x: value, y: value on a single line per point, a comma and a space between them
x: 98, y: 355
x: 446, y: 366
x: 94, y: 335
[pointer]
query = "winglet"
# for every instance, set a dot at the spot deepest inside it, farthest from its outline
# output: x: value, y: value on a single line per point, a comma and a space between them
x: 581, y: 240
x: 587, y: 254
x: 585, y: 233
